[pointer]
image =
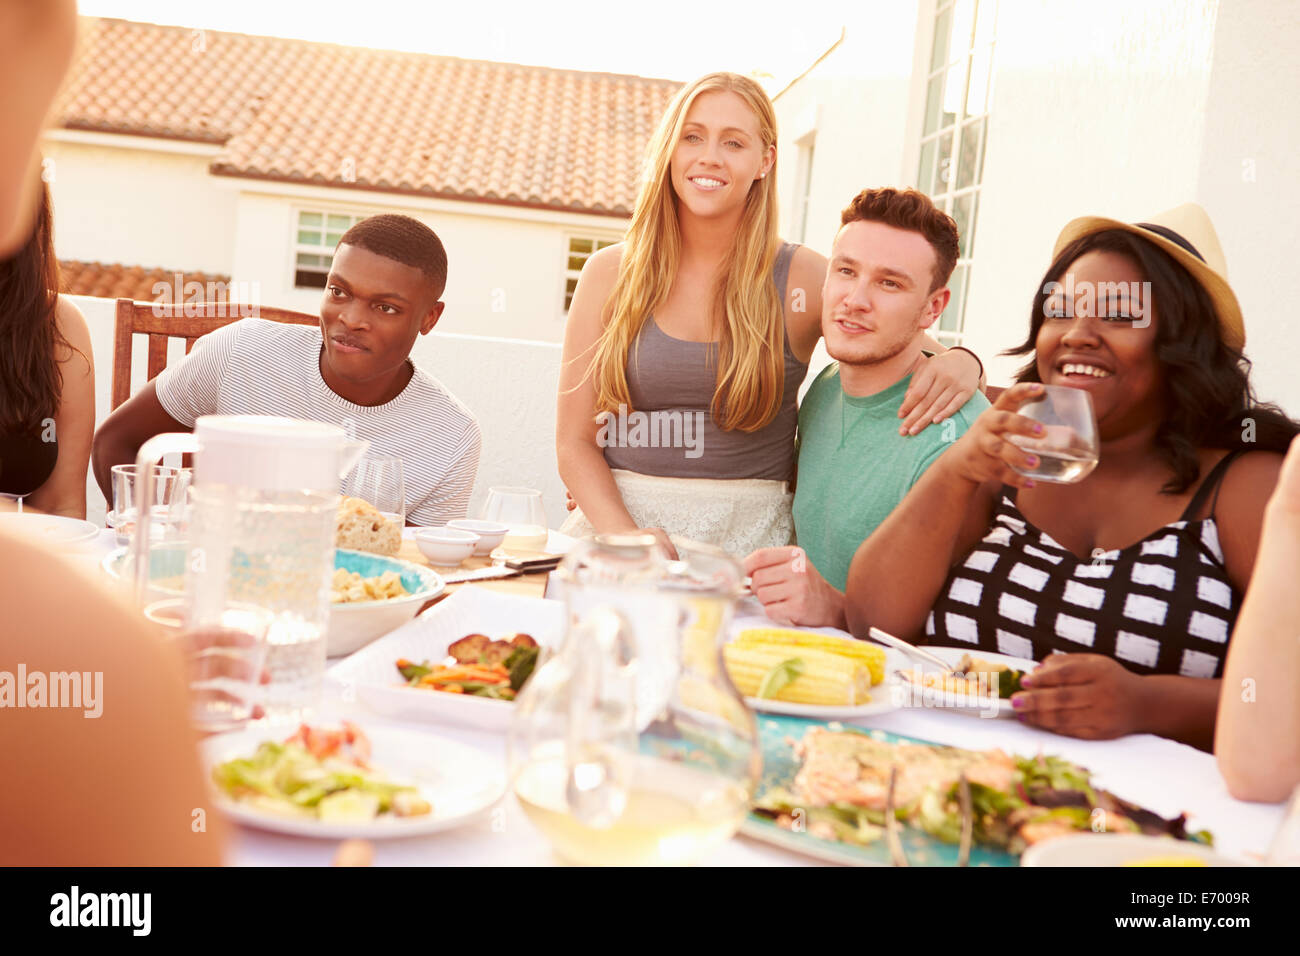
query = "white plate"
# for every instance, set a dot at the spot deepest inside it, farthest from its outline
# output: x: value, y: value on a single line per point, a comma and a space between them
x: 1116, y: 849
x: 371, y: 673
x: 884, y: 696
x: 460, y: 782
x: 918, y: 696
x: 883, y: 700
x: 54, y: 529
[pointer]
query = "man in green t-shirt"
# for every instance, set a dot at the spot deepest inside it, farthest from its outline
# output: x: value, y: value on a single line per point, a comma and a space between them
x: 885, y: 285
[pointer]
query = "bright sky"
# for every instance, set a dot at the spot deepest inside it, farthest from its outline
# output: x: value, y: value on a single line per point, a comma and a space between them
x: 676, y: 39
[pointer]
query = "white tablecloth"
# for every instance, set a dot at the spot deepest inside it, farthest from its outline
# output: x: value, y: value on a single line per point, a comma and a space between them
x: 1164, y: 776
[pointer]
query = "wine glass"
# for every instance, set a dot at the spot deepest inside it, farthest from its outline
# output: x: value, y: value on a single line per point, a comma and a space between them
x: 521, y: 510
x: 1067, y: 450
x: 380, y: 480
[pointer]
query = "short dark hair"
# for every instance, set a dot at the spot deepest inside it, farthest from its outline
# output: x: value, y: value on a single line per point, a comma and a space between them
x: 404, y: 239
x: 911, y: 210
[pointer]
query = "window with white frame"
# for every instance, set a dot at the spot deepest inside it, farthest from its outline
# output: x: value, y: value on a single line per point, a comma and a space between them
x: 318, y: 233
x: 580, y: 250
x: 803, y: 185
x: 958, y: 97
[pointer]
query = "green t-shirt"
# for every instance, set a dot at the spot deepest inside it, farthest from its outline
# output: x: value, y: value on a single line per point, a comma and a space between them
x: 854, y: 466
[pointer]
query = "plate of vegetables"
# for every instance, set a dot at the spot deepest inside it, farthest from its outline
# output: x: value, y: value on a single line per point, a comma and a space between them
x: 978, y: 683
x: 808, y: 673
x: 478, y: 666
x: 462, y: 662
x: 344, y: 782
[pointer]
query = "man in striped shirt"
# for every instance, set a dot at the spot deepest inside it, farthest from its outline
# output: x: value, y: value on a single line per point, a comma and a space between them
x: 384, y: 290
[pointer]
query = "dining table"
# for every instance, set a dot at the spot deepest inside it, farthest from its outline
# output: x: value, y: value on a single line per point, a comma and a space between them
x: 1160, y: 774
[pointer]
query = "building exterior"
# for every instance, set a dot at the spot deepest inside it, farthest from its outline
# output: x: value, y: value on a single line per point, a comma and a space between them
x: 245, y: 158
x: 1020, y: 115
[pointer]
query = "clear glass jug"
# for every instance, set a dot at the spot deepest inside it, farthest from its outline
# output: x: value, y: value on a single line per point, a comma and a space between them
x: 630, y: 746
x: 261, y: 534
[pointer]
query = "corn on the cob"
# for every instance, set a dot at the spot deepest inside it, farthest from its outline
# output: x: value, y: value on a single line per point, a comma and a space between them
x: 826, y: 678
x: 870, y: 655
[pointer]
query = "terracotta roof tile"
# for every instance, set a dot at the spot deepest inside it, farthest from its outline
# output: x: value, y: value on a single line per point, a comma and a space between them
x: 117, y: 281
x: 371, y: 119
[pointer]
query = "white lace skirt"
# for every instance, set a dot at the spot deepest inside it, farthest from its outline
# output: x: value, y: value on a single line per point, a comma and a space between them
x: 738, y: 515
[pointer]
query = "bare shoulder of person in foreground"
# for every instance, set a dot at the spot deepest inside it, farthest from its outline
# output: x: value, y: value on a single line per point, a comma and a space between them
x: 36, y: 42
x: 1257, y: 740
x: 113, y: 780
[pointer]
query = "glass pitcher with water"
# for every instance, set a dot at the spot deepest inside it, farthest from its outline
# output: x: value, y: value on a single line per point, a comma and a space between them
x: 630, y: 746
x: 261, y: 535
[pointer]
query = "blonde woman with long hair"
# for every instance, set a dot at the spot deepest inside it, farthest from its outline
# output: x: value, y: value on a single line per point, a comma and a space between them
x: 688, y: 341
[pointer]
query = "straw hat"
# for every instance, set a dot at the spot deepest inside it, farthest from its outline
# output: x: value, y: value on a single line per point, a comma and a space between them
x: 1187, y: 234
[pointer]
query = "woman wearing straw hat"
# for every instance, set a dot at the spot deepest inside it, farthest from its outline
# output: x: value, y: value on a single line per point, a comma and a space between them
x: 1128, y: 582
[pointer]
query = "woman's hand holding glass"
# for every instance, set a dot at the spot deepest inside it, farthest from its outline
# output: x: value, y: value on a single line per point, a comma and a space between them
x: 987, y: 453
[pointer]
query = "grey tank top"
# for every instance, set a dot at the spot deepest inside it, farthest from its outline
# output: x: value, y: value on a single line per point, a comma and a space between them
x: 672, y: 433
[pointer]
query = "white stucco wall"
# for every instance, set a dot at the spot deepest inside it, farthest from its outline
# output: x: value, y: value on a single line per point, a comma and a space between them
x: 856, y: 100
x: 509, y: 385
x: 505, y: 274
x: 1098, y: 109
x: 138, y: 205
x: 1249, y: 178
x: 152, y: 203
x: 1121, y: 108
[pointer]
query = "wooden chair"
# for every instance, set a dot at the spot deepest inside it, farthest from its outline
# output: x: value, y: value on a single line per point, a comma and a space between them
x: 186, y: 321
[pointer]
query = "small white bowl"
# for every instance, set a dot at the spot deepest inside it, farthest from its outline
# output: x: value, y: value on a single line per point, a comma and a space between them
x: 446, y: 547
x: 490, y: 533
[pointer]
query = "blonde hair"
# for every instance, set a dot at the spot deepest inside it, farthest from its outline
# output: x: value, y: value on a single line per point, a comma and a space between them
x: 751, y: 352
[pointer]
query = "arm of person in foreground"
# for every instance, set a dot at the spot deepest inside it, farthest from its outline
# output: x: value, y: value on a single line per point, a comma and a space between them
x: 116, y: 779
x: 898, y: 572
x: 1097, y: 698
x: 1258, y: 737
x: 64, y: 492
x: 36, y: 43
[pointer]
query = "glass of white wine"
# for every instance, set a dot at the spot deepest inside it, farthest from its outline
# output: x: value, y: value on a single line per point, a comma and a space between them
x: 380, y: 480
x: 1068, y: 449
x: 521, y: 509
x: 630, y: 746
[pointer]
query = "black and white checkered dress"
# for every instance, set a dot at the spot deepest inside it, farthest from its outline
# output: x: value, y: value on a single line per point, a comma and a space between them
x: 1164, y: 605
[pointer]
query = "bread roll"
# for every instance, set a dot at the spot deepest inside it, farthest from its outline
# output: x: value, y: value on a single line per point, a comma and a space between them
x: 361, y: 527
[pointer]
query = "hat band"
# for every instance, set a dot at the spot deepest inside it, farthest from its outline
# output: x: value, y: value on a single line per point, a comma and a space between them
x: 1172, y: 236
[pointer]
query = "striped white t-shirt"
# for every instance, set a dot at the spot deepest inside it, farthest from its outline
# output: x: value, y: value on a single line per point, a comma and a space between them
x: 259, y: 367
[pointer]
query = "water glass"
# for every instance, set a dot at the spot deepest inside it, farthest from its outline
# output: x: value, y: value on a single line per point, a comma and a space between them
x: 168, y: 516
x: 1067, y: 450
x: 521, y: 509
x: 379, y: 480
x: 225, y: 659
